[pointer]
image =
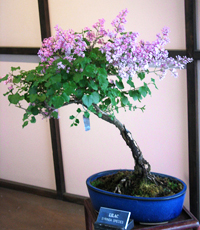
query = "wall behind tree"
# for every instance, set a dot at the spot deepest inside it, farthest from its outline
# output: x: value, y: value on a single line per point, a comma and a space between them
x: 161, y: 131
x: 25, y: 154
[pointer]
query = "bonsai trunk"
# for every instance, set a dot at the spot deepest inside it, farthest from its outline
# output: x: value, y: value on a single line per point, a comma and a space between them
x: 142, y: 167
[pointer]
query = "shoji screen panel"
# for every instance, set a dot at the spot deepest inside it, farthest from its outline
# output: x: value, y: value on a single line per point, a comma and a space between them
x: 25, y: 154
x: 19, y: 23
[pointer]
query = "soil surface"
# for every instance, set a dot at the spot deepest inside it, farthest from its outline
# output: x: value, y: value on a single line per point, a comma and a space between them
x: 127, y: 183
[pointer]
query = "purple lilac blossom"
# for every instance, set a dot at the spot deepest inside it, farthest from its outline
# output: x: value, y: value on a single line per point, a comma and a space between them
x: 61, y: 66
x: 121, y: 48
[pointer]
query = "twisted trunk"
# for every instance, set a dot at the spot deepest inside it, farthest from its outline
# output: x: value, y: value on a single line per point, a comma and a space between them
x: 142, y: 167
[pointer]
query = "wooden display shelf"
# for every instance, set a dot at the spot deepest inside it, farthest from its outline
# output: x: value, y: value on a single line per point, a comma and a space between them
x: 185, y: 221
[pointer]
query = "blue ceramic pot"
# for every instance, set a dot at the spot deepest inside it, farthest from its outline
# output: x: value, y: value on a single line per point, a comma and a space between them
x: 143, y: 209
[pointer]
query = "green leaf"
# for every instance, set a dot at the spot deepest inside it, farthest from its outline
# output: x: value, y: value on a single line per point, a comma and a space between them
x: 86, y: 114
x: 5, y: 94
x: 135, y: 94
x: 25, y: 116
x: 30, y: 77
x: 56, y: 86
x: 130, y: 83
x: 33, y: 97
x: 77, y: 121
x: 143, y: 91
x: 42, y: 97
x: 115, y: 92
x: 130, y: 106
x: 93, y: 85
x: 53, y: 80
x: 54, y: 114
x: 143, y: 108
x: 124, y: 100
x: 44, y: 78
x: 141, y: 75
x: 71, y: 117
x: 77, y: 77
x: 33, y: 120
x: 56, y: 78
x: 66, y: 62
x: 36, y: 83
x: 117, y: 109
x: 66, y: 97
x: 33, y: 90
x: 102, y: 77
x: 79, y: 93
x: 17, y: 79
x: 95, y: 97
x: 154, y: 82
x: 34, y: 110
x: 87, y: 100
x: 83, y: 83
x: 119, y: 84
x: 82, y: 61
x: 78, y: 110
x: 69, y: 87
x: 102, y: 72
x: 47, y: 84
x: 15, y: 68
x: 107, y: 101
x: 50, y: 92
x: 40, y: 68
x: 113, y: 101
x: 91, y: 70
x: 93, y: 55
x: 103, y: 82
x: 25, y: 124
x: 14, y: 98
x: 100, y: 115
x: 4, y: 78
x: 58, y: 102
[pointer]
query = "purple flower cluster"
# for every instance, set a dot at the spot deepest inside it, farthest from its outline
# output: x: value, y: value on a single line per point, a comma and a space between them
x: 121, y: 49
x: 131, y: 57
x: 118, y: 22
x: 8, y: 81
x: 65, y: 43
x: 120, y: 53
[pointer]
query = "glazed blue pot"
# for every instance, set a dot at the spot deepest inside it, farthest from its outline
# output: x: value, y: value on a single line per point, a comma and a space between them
x: 147, y: 210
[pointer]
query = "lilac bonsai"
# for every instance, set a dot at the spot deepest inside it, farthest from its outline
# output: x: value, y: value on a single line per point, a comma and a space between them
x: 95, y: 69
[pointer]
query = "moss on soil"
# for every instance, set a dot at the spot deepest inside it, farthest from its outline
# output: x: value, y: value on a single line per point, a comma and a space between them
x: 127, y: 183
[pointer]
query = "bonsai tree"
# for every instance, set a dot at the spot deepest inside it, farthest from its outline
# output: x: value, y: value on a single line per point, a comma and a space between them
x: 96, y: 69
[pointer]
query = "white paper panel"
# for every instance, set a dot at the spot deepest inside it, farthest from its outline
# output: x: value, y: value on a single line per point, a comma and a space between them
x: 19, y: 23
x: 25, y: 154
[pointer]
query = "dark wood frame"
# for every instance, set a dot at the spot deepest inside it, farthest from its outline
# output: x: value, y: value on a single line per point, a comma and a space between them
x: 193, y: 132
x: 193, y: 119
x: 54, y: 124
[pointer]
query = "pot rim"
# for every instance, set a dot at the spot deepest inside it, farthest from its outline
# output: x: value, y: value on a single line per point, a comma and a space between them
x: 103, y: 173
